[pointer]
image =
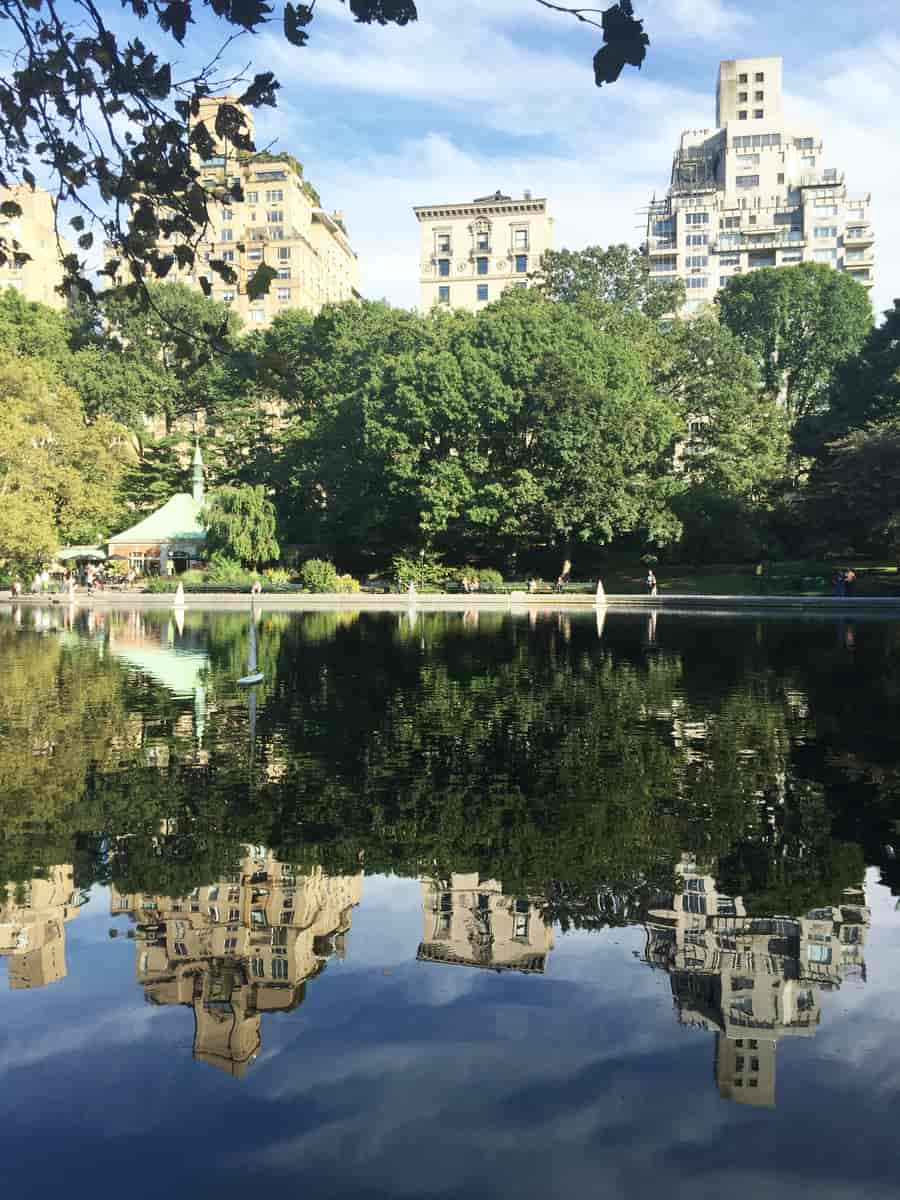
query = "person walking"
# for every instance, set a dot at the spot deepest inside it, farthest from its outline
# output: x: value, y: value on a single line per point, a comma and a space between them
x: 849, y: 582
x: 564, y: 576
x: 651, y: 582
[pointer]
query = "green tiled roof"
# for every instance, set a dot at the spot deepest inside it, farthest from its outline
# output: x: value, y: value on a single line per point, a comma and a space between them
x: 178, y: 520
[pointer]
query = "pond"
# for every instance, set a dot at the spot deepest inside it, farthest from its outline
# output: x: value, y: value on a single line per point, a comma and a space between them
x: 449, y: 905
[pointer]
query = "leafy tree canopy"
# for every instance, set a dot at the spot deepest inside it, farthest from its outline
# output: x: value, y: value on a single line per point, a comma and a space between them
x: 798, y: 323
x: 240, y: 523
x: 617, y: 277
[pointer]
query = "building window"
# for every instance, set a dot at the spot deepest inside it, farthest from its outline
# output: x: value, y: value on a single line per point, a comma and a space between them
x: 696, y: 260
x: 227, y: 235
x: 275, y: 216
x: 758, y: 77
x: 742, y: 97
x: 481, y: 265
x: 482, y: 291
x: 731, y: 222
x: 227, y: 256
x: 444, y: 295
x: 284, y: 252
x: 697, y: 239
x: 521, y: 262
x: 483, y: 241
x: 747, y: 181
x: 825, y: 231
x: 742, y: 78
x: 825, y: 256
x: 227, y: 214
x: 444, y: 267
x: 729, y: 260
x: 284, y: 294
x: 666, y: 262
x: 259, y: 968
x: 255, y: 255
x: 794, y: 257
x: 443, y: 243
x: 781, y: 177
x: 697, y: 218
x: 228, y: 297
x: 520, y: 239
x: 279, y: 968
x: 257, y: 314
x: 757, y: 114
x: 742, y: 115
x: 276, y: 233
x: 521, y: 283
x: 274, y: 196
x: 252, y: 197
x: 809, y: 162
x: 284, y: 273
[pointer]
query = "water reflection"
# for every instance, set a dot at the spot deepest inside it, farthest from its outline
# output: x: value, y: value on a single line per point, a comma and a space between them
x: 238, y: 949
x: 751, y: 979
x: 33, y: 917
x: 545, y: 809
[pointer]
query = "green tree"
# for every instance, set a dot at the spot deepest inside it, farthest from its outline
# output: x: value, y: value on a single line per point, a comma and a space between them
x: 240, y: 523
x: 617, y: 277
x: 59, y: 476
x: 867, y: 387
x: 798, y: 324
x: 854, y: 490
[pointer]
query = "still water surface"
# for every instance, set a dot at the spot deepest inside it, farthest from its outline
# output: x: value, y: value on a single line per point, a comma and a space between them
x: 451, y: 905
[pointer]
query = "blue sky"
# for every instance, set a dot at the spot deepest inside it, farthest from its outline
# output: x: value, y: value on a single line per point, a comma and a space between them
x: 500, y: 94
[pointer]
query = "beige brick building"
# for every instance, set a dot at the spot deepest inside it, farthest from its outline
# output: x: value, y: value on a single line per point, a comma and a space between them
x: 756, y: 191
x: 35, y: 233
x: 280, y: 223
x: 471, y: 252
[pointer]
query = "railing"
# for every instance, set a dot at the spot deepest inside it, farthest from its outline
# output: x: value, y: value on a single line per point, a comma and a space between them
x: 823, y: 179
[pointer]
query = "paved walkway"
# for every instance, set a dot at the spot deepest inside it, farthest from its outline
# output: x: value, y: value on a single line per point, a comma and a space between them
x: 448, y: 602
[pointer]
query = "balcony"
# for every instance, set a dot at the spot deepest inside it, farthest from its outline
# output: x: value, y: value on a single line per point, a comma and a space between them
x: 766, y: 240
x: 859, y: 235
x: 822, y: 179
x: 662, y: 246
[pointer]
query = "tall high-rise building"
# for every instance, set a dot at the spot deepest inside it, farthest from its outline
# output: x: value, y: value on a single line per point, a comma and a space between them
x: 754, y: 192
x: 280, y: 223
x: 34, y: 231
x: 471, y: 252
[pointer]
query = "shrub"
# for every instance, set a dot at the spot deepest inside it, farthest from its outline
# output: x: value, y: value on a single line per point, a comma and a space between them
x: 319, y: 575
x: 426, y: 573
x: 159, y: 583
x: 223, y: 569
x: 346, y: 583
x: 277, y: 575
x: 489, y: 580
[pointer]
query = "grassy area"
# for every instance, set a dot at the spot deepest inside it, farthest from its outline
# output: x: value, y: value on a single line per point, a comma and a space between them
x: 798, y: 577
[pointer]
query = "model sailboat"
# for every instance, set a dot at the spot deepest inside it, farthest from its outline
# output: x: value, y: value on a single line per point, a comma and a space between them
x: 253, y: 674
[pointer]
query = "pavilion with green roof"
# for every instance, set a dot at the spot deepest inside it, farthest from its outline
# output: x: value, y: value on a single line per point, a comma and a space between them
x: 172, y: 534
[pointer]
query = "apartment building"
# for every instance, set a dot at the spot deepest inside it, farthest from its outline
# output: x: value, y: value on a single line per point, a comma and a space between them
x: 751, y: 980
x: 470, y: 253
x: 279, y: 223
x: 756, y: 191
x: 35, y: 232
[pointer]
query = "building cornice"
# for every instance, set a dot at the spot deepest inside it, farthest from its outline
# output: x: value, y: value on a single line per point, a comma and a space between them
x: 479, y: 209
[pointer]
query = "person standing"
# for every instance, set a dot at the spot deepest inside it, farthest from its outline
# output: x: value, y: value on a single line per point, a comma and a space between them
x: 651, y: 582
x: 564, y: 576
x: 849, y: 582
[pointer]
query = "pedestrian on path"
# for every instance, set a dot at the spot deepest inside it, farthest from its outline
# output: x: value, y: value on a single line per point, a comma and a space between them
x: 651, y: 582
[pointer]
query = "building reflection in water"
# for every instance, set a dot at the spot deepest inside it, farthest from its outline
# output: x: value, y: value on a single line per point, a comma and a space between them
x: 33, y: 918
x: 751, y: 980
x: 469, y: 922
x: 239, y: 948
